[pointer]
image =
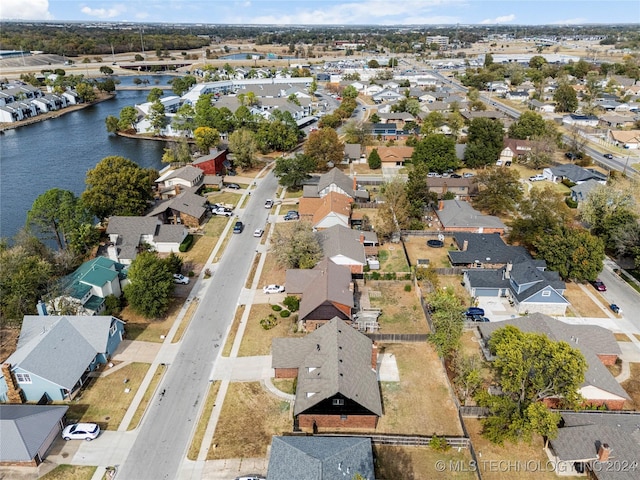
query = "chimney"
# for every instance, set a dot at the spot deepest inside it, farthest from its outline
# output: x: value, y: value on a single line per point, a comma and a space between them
x: 177, y: 188
x: 441, y: 205
x: 41, y: 308
x: 507, y: 270
x: 465, y: 245
x: 355, y: 183
x: 374, y: 356
x: 603, y: 452
x: 351, y: 287
x: 14, y: 392
x: 362, y: 238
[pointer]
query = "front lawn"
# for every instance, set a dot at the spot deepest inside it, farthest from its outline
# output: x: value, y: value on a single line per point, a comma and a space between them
x: 256, y: 340
x: 70, y: 472
x: 150, y: 330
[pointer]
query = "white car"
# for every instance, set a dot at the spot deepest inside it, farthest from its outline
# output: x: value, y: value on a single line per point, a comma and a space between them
x: 536, y: 178
x: 179, y: 278
x: 81, y: 431
x: 222, y: 211
x: 258, y: 232
x: 273, y: 289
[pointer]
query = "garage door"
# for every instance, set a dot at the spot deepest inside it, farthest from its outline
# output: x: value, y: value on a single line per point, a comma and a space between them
x: 487, y: 292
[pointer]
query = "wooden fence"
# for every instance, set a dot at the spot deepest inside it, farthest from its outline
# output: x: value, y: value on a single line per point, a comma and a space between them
x: 404, y: 440
x: 397, y: 337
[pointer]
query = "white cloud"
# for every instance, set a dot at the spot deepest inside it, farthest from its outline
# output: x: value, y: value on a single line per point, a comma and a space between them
x: 25, y: 10
x: 103, y: 12
x: 502, y: 19
x: 570, y: 21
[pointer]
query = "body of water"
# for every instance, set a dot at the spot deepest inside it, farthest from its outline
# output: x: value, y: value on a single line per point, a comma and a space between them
x: 57, y: 153
x: 250, y: 56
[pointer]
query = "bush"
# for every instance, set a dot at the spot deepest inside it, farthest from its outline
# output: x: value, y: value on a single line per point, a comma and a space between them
x: 112, y: 305
x: 568, y: 183
x: 374, y: 160
x: 269, y: 322
x: 285, y: 313
x: 186, y: 243
x: 292, y: 303
x: 276, y: 308
x: 571, y: 203
x: 439, y: 443
x: 407, y: 287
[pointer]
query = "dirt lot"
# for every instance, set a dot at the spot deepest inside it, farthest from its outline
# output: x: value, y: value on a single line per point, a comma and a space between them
x: 420, y: 403
x: 420, y: 463
x: 401, y: 310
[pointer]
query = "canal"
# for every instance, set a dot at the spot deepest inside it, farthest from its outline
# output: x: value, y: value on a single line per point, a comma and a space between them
x: 57, y: 153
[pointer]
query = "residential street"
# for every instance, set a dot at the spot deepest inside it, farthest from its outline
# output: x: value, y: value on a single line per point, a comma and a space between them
x: 165, y: 433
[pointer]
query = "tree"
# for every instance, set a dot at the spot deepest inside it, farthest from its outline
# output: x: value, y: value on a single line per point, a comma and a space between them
x: 112, y: 123
x: 447, y: 314
x: 543, y: 213
x: 374, y: 160
x: 356, y: 133
x: 177, y: 152
x: 243, y: 145
x: 157, y: 117
x: 105, y: 70
x: 206, y: 138
x: 293, y: 171
x: 150, y: 285
x: 530, y: 368
x: 295, y: 245
x: 118, y: 186
x: 393, y: 215
x: 432, y: 122
x: 373, y: 64
x: 374, y: 118
x: 205, y: 111
x: 349, y: 92
x: 155, y: 94
x: 86, y: 92
x: 437, y: 152
x: 529, y: 124
x: 488, y: 60
x: 418, y: 193
x: 128, y: 118
x: 537, y: 61
x: 572, y: 252
x: 325, y: 148
x: 485, y: 142
x: 468, y: 377
x: 541, y: 154
x: 455, y: 122
x: 565, y: 98
x: 184, y: 121
x: 500, y: 190
x: 180, y: 85
x: 108, y: 85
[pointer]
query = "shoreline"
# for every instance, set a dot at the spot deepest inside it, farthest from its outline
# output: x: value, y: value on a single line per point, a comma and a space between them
x: 50, y: 115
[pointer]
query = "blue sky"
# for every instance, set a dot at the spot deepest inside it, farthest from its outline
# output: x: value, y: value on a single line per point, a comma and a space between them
x: 329, y: 12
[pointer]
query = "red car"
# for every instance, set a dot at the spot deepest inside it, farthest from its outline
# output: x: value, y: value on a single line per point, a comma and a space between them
x: 598, y: 285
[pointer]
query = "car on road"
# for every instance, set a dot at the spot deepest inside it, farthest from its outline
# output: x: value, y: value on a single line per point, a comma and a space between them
x: 233, y: 186
x: 471, y: 311
x: 268, y: 203
x: 599, y: 285
x: 81, y: 431
x: 615, y: 308
x: 181, y: 279
x: 292, y: 215
x: 536, y: 178
x: 222, y: 211
x: 608, y: 155
x: 273, y: 288
x: 258, y: 232
x: 238, y: 227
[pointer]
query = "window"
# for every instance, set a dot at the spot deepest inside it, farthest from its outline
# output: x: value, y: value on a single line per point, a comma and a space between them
x: 113, y: 329
x: 23, y: 378
x: 546, y: 293
x: 338, y: 401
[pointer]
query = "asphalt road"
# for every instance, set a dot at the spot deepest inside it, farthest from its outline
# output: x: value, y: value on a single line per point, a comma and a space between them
x: 623, y: 295
x: 165, y: 433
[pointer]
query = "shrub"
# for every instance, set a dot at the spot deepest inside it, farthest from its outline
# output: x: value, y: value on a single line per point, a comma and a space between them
x: 276, y: 308
x: 439, y: 443
x: 407, y: 287
x: 571, y: 203
x: 112, y: 305
x: 186, y: 243
x: 269, y: 322
x: 568, y: 183
x: 285, y: 313
x: 292, y: 303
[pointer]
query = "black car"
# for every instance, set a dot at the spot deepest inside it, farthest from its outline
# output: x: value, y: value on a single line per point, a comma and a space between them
x: 455, y: 175
x: 233, y: 186
x: 608, y: 155
x: 471, y: 311
x: 573, y: 156
x: 292, y: 215
x: 238, y: 227
x: 478, y: 318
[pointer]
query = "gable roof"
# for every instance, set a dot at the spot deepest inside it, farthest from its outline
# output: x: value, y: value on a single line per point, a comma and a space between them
x: 481, y: 246
x: 96, y: 272
x: 333, y: 359
x: 188, y: 173
x: 591, y: 340
x: 186, y: 202
x: 129, y: 231
x: 625, y: 136
x: 352, y: 150
x: 60, y: 348
x: 458, y: 213
x: 25, y: 428
x: 336, y: 177
x: 339, y: 240
x: 320, y: 208
x: 576, y: 173
x: 320, y: 458
x: 582, y: 190
x: 393, y: 154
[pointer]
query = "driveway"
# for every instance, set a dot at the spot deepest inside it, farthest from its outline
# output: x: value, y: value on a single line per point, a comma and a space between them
x: 136, y: 351
x: 243, y: 369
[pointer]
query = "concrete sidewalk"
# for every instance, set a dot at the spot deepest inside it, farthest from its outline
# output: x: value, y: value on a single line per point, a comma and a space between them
x: 242, y: 369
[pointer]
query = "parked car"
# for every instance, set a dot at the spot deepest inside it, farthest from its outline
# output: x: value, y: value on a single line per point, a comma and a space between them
x: 478, y: 318
x: 181, y: 279
x: 233, y: 186
x: 599, y: 285
x: 536, y: 178
x: 222, y: 211
x: 273, y: 289
x: 251, y: 476
x: 467, y: 175
x: 292, y: 215
x: 471, y: 311
x: 455, y: 175
x: 81, y: 431
x: 573, y: 156
x: 433, y: 174
x: 238, y: 227
x: 258, y: 232
x: 615, y: 308
x: 268, y: 203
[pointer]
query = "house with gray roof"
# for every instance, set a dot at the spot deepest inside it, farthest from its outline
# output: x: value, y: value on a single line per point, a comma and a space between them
x: 335, y: 181
x: 603, y: 445
x: 574, y: 173
x: 528, y: 285
x: 172, y: 182
x: 186, y: 208
x: 337, y: 385
x: 28, y: 432
x: 348, y: 247
x: 483, y: 250
x: 320, y: 458
x: 581, y: 191
x: 597, y: 344
x: 460, y: 216
x: 352, y: 151
x: 130, y: 235
x: 55, y: 354
x: 327, y: 291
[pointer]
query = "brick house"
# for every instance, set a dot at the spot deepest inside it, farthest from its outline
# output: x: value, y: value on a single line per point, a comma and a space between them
x: 348, y: 247
x: 335, y: 367
x: 324, y: 212
x: 462, y: 188
x: 186, y: 208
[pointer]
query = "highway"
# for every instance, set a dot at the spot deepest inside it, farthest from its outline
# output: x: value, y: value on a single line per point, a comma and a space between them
x: 163, y: 440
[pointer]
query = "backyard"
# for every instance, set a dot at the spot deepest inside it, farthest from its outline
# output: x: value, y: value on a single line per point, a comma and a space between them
x: 417, y: 249
x: 421, y: 463
x: 392, y: 258
x: 401, y: 310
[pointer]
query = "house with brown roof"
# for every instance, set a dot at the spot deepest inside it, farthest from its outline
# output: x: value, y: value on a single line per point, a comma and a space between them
x: 625, y: 138
x: 325, y: 212
x: 462, y: 188
x: 514, y: 150
x: 335, y: 367
x: 186, y: 208
x: 392, y: 156
x: 327, y: 291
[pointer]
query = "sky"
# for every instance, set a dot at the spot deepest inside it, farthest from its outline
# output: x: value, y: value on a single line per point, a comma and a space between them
x: 328, y: 12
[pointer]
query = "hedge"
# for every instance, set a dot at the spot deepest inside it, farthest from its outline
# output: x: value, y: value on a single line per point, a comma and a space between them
x: 186, y: 243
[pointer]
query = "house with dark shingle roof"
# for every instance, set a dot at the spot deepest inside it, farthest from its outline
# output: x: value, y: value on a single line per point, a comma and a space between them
x: 335, y: 367
x: 604, y: 445
x: 327, y: 292
x: 320, y: 458
x: 352, y: 151
x: 581, y: 191
x: 171, y: 182
x: 28, y: 432
x: 55, y: 354
x: 573, y: 173
x: 483, y: 250
x: 186, y: 208
x: 460, y: 216
x: 597, y: 344
x: 348, y: 247
x: 335, y: 181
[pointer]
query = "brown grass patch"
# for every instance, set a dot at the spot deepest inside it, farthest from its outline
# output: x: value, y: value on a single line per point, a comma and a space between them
x: 632, y: 385
x: 492, y: 456
x: 185, y: 321
x: 455, y: 282
x: 272, y: 272
x: 637, y: 335
x: 438, y: 257
x: 615, y: 369
x: 203, y: 421
x: 150, y: 330
x: 269, y: 416
x: 419, y: 463
x: 621, y: 337
x: 252, y: 271
x: 581, y: 303
x: 151, y: 389
x: 401, y: 310
x: 70, y: 472
x: 286, y: 385
x: 8, y: 340
x: 256, y: 340
x: 233, y: 331
x: 392, y: 258
x: 420, y: 403
x: 104, y: 401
